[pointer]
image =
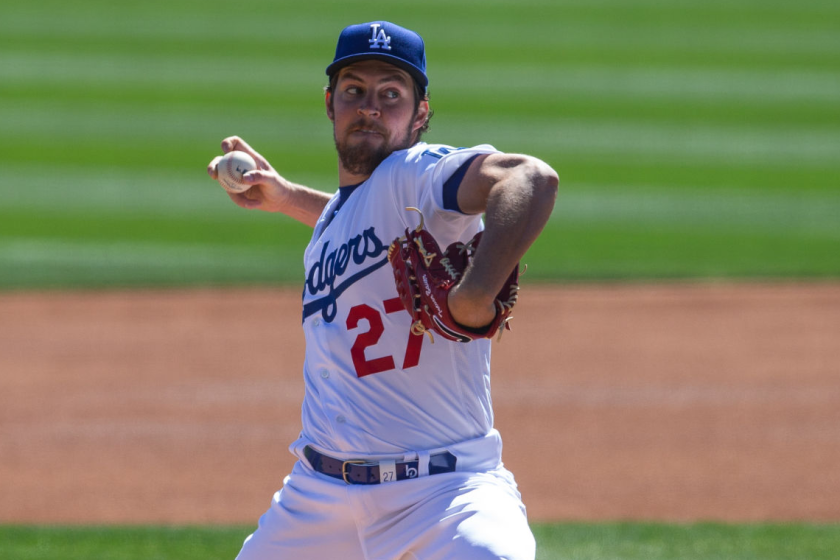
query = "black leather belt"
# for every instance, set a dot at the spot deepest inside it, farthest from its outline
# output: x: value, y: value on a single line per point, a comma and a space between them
x: 367, y: 472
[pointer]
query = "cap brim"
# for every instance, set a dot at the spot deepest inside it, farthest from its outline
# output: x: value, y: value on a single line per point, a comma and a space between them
x: 415, y: 72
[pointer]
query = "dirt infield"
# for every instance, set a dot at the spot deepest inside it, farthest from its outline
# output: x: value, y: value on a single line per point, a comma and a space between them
x: 675, y: 402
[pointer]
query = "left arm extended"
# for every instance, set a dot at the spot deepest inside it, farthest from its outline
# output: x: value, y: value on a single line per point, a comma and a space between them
x: 517, y: 195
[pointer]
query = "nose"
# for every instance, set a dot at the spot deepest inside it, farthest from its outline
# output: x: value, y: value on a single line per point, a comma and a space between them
x: 369, y: 106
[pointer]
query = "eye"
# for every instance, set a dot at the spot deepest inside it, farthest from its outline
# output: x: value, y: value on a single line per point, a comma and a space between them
x: 353, y: 90
x: 392, y: 94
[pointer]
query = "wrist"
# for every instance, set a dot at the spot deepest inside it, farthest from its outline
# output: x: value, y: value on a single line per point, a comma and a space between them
x: 278, y: 194
x: 469, y: 310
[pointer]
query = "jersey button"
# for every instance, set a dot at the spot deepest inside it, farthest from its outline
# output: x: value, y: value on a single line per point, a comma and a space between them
x: 316, y: 322
x: 340, y: 419
x: 325, y: 374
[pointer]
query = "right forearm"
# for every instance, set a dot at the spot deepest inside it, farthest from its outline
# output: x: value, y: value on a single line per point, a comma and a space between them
x: 272, y: 193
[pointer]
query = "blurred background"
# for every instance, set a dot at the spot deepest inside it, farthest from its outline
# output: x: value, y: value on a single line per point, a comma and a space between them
x: 694, y: 139
x: 695, y: 240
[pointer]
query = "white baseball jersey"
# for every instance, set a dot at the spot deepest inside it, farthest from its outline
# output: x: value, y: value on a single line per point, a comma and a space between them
x: 372, y: 387
x: 376, y: 392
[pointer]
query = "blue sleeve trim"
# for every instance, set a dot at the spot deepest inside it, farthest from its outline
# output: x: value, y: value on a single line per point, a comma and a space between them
x: 451, y: 186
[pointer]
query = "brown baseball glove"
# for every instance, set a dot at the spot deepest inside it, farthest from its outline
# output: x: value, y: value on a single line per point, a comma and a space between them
x: 424, y: 275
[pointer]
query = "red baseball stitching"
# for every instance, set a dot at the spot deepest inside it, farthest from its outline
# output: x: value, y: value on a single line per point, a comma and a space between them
x: 229, y: 179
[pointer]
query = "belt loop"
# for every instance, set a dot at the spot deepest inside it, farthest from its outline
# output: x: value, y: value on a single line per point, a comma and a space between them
x: 423, y: 463
x: 387, y: 471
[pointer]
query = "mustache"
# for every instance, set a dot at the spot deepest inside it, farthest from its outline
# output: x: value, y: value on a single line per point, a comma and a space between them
x: 366, y: 125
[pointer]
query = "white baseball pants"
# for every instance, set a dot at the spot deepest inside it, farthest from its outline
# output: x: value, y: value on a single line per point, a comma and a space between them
x: 460, y: 515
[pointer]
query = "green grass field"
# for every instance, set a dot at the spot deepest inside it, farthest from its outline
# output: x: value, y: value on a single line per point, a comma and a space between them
x: 694, y: 139
x: 572, y: 541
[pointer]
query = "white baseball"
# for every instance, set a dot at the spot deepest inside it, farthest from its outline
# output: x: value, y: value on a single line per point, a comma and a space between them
x: 231, y: 168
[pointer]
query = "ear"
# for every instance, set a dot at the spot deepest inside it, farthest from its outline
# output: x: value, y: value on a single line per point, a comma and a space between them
x: 421, y: 116
x: 329, y: 105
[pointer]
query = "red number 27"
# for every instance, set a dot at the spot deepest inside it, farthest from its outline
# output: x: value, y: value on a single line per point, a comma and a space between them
x: 365, y: 366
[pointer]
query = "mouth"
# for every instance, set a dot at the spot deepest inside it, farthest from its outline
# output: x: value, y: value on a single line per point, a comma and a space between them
x: 366, y: 131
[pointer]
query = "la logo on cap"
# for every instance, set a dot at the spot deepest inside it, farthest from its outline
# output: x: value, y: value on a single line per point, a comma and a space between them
x: 378, y: 39
x: 384, y: 41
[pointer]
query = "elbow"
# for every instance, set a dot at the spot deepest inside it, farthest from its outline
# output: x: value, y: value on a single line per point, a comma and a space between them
x: 543, y: 179
x: 549, y: 178
x: 534, y: 179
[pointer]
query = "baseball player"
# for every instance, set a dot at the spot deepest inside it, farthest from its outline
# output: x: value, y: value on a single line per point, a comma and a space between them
x: 398, y: 457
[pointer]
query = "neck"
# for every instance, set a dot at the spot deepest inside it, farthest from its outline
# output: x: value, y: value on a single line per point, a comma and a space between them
x: 347, y: 178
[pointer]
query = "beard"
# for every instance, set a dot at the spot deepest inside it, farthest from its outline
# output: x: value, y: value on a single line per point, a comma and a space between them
x: 363, y: 158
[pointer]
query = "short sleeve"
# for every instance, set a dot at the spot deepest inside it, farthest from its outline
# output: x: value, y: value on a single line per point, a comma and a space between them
x: 418, y: 177
x: 451, y: 186
x: 449, y: 171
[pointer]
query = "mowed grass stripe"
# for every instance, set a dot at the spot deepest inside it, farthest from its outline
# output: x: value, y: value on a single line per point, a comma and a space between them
x: 811, y: 48
x: 145, y: 74
x: 726, y: 85
x: 644, y: 174
x: 571, y: 251
x: 766, y: 144
x: 121, y: 254
x: 139, y: 68
x: 194, y: 195
x: 813, y: 7
x: 300, y: 163
x: 56, y: 263
x: 687, y: 541
x: 684, y: 98
x: 263, y: 231
x: 671, y: 109
x: 580, y: 541
x: 145, y: 19
x: 90, y: 190
x: 166, y: 123
x: 815, y: 214
x: 793, y: 34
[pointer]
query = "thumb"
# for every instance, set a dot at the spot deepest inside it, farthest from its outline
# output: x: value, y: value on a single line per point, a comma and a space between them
x: 254, y: 177
x: 262, y: 177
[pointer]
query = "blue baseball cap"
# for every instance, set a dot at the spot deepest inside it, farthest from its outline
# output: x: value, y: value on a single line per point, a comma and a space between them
x: 384, y: 41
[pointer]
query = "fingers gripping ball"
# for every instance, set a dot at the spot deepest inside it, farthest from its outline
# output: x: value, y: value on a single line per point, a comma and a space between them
x: 231, y: 168
x: 424, y: 275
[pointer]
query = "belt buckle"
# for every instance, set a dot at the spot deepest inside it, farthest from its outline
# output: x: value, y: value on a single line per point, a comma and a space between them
x: 344, y: 468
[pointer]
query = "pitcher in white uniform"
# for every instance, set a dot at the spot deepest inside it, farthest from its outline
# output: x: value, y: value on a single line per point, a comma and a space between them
x: 398, y: 457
